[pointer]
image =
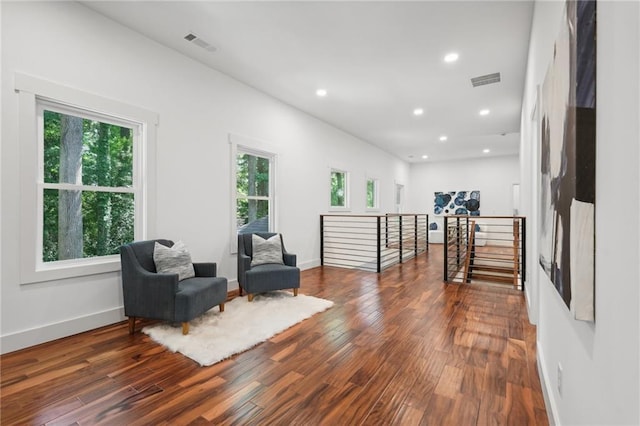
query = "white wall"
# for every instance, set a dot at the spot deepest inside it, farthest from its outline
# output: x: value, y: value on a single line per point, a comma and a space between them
x: 71, y: 45
x: 600, y: 361
x: 492, y: 176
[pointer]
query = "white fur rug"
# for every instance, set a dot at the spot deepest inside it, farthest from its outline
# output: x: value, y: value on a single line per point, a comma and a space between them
x: 217, y: 335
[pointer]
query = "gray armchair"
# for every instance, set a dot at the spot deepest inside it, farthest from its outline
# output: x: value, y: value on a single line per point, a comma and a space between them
x: 266, y: 277
x: 148, y: 294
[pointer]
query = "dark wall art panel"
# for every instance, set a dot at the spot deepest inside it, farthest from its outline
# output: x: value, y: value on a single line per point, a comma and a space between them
x: 456, y: 203
x: 567, y: 161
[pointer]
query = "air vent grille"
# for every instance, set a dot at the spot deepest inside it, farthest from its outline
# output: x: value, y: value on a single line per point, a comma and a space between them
x: 485, y: 79
x: 200, y: 42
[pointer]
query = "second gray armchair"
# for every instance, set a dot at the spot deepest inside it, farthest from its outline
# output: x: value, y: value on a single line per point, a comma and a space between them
x: 267, y: 268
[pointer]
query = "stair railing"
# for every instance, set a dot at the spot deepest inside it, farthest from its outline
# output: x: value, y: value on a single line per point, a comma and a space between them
x: 372, y: 242
x: 485, y: 249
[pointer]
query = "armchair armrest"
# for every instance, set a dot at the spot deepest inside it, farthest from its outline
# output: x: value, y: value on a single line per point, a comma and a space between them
x: 150, y: 295
x: 205, y: 269
x: 289, y: 259
x: 146, y: 294
x: 244, y: 265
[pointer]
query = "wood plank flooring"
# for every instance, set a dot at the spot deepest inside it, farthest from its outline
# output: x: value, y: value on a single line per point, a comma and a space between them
x: 399, y: 348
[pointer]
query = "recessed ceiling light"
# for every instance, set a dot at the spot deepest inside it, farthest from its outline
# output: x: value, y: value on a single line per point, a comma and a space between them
x: 443, y: 138
x: 484, y: 112
x: 451, y: 57
x: 424, y: 157
x: 486, y: 150
x: 418, y: 111
x: 321, y: 92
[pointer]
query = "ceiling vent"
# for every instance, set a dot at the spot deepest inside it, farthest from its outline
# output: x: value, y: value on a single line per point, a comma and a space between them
x: 485, y: 79
x: 200, y: 42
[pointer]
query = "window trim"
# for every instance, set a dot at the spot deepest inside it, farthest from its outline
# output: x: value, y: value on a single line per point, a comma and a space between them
x: 260, y: 149
x: 376, y: 194
x: 347, y: 191
x: 32, y: 92
x: 399, y: 206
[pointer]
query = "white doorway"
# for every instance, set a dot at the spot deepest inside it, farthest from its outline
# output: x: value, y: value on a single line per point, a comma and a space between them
x: 399, y: 197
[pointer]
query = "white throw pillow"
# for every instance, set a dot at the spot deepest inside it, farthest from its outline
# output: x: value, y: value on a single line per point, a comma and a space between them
x: 266, y: 251
x: 173, y: 260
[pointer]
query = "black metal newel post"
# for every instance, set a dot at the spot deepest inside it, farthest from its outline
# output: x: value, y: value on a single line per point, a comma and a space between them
x: 524, y: 251
x: 386, y: 230
x: 458, y: 237
x: 321, y: 240
x: 378, y: 248
x: 415, y: 235
x: 401, y: 237
x: 426, y: 232
x: 446, y: 249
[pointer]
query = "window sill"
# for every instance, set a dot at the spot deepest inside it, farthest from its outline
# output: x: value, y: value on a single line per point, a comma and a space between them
x: 69, y: 269
x: 339, y: 209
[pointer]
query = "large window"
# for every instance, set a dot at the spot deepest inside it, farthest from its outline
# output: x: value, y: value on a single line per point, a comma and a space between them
x: 253, y: 192
x: 87, y: 167
x: 339, y: 189
x: 86, y: 187
x: 372, y: 194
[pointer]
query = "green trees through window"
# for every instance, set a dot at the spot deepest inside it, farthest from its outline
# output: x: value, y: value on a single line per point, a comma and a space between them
x: 87, y: 191
x: 252, y: 193
x: 372, y: 194
x: 338, y: 189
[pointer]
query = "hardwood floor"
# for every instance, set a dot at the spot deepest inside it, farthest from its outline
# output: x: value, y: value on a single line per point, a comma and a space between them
x: 397, y: 348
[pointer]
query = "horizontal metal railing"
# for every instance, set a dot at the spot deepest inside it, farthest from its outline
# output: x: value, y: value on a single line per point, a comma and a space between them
x: 371, y: 242
x: 485, y: 249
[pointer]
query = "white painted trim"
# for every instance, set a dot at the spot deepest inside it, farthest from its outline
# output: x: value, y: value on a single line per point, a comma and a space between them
x: 399, y: 206
x: 547, y: 391
x: 347, y: 190
x: 79, y: 99
x: 33, y: 95
x: 37, y: 335
x: 309, y: 264
x: 232, y: 285
x: 527, y: 298
x: 376, y: 193
x: 254, y: 147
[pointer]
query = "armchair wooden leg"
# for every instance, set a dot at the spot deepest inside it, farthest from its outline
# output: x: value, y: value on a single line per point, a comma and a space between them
x: 250, y: 297
x: 132, y: 325
x: 295, y: 292
x: 239, y: 290
x: 222, y: 307
x: 185, y: 328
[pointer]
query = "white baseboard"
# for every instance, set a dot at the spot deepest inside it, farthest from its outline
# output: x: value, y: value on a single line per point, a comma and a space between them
x: 232, y: 285
x: 37, y: 335
x: 547, y: 392
x: 34, y: 336
x: 309, y: 264
x: 533, y: 317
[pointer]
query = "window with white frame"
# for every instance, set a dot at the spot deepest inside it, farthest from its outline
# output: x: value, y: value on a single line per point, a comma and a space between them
x: 372, y: 194
x: 84, y: 162
x: 339, y: 189
x: 254, y: 190
x: 88, y: 183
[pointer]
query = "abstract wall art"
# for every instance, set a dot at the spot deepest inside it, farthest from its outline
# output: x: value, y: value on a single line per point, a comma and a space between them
x: 457, y: 203
x: 567, y: 161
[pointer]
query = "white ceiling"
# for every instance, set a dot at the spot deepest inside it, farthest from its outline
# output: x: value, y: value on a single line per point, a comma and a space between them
x: 377, y: 60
